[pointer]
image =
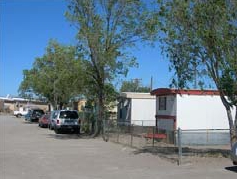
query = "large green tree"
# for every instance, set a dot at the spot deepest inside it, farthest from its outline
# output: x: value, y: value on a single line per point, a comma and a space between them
x: 106, y: 29
x: 57, y: 75
x: 134, y: 86
x: 200, y: 39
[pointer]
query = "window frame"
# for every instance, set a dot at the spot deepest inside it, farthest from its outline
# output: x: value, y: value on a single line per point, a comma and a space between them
x: 162, y: 103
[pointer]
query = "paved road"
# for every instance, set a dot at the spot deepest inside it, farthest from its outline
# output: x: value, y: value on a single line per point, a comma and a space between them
x: 28, y: 152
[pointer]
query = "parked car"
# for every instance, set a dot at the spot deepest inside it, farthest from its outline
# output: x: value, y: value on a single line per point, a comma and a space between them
x: 44, y: 120
x: 234, y: 154
x: 65, y: 120
x: 33, y: 115
x: 51, y: 123
x: 21, y: 112
x: 27, y: 116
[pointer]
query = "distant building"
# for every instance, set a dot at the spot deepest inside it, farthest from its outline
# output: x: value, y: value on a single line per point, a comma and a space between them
x: 14, y: 104
x: 79, y: 104
x: 1, y: 105
x: 136, y: 109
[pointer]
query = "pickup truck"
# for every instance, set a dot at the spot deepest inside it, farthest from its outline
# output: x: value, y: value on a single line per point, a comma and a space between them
x: 21, y: 112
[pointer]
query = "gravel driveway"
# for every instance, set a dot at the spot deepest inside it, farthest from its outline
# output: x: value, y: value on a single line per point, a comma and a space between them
x: 29, y: 152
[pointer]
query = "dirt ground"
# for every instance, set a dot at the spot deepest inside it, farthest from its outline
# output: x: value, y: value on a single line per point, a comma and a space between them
x: 27, y: 151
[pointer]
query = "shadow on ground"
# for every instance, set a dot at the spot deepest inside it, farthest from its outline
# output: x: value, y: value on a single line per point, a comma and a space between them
x: 68, y: 136
x: 186, y: 151
x: 28, y: 122
x: 171, y: 153
x: 232, y: 169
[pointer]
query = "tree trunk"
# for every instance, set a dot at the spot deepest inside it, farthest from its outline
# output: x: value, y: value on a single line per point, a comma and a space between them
x: 60, y: 106
x: 100, y: 115
x: 92, y: 127
x: 233, y: 136
x: 232, y: 124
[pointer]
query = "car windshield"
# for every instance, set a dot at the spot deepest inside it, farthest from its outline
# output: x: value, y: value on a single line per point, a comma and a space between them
x: 38, y: 112
x: 68, y: 115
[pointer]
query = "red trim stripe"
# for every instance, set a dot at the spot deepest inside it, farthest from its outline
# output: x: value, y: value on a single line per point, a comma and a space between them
x: 167, y: 91
x: 165, y: 117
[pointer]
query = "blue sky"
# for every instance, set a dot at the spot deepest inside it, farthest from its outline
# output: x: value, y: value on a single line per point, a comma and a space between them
x: 25, y: 29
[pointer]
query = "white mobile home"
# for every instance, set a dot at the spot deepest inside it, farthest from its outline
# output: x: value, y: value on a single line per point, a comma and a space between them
x: 189, y: 109
x: 194, y: 110
x: 136, y: 108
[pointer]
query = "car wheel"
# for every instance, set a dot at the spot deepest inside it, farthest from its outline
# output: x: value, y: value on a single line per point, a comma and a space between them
x: 57, y: 131
x: 76, y: 131
x: 50, y: 127
x: 18, y: 115
x: 235, y: 163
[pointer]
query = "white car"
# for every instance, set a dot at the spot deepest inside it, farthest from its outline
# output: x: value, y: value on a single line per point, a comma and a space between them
x: 21, y: 112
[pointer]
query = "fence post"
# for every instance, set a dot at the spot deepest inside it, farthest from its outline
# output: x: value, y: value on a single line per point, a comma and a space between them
x: 179, y: 147
x: 207, y: 136
x: 117, y: 133
x: 131, y: 135
x: 153, y: 135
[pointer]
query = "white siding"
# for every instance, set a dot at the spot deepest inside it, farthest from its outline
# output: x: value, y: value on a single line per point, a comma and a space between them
x: 143, y: 112
x: 201, y: 112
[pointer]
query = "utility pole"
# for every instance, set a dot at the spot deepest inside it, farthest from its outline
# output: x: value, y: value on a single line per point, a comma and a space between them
x: 151, y: 84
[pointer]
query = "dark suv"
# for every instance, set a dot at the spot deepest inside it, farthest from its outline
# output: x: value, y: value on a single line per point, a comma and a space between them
x: 33, y: 115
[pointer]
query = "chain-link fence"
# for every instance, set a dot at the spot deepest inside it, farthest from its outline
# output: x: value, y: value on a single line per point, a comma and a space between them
x: 203, y: 142
x: 88, y: 121
x: 174, y: 145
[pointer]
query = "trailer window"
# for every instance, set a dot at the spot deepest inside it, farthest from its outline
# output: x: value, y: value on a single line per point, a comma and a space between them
x: 162, y: 103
